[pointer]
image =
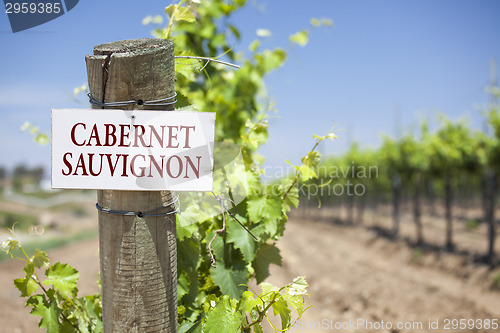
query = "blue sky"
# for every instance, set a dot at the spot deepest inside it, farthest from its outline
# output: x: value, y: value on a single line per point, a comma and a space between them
x: 383, y: 63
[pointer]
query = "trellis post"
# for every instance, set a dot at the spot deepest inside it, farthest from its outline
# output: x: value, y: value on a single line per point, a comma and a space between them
x: 138, y: 254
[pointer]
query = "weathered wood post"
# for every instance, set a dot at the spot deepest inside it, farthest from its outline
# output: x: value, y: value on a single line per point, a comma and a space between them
x: 138, y: 254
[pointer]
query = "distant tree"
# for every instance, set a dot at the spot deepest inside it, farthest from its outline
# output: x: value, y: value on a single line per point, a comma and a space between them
x: 391, y: 160
x: 451, y: 150
x: 23, y: 175
x: 490, y: 183
x: 3, y: 173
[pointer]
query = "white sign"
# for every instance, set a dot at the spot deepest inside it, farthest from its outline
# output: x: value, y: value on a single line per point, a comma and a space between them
x: 132, y: 150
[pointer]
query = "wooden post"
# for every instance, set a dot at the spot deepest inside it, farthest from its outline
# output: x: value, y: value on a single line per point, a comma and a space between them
x: 138, y: 254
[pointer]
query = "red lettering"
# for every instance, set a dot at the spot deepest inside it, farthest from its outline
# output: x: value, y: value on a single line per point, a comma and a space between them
x: 159, y: 168
x: 172, y: 136
x: 132, y: 165
x: 110, y: 134
x: 179, y: 162
x: 186, y: 144
x: 139, y: 136
x: 112, y: 167
x: 124, y: 171
x: 73, y: 139
x: 66, y: 162
x: 94, y: 135
x: 80, y: 164
x: 153, y: 131
x: 191, y: 164
x: 124, y: 135
x: 91, y: 159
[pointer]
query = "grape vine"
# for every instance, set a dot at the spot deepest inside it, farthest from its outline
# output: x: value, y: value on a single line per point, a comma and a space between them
x: 211, y: 298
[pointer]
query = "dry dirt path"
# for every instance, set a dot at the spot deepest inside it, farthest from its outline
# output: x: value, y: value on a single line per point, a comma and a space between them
x: 353, y: 274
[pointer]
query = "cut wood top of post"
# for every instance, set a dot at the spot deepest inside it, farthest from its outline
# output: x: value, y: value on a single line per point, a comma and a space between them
x: 139, y: 69
x: 132, y: 47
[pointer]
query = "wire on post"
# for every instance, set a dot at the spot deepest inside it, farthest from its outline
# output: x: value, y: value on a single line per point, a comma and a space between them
x: 150, y: 213
x: 157, y: 102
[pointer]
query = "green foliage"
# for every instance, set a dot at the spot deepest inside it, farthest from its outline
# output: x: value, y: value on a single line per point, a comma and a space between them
x: 225, y: 314
x: 54, y: 298
x: 211, y: 298
x: 7, y: 220
x: 472, y: 224
x: 452, y: 147
x: 301, y: 37
x: 495, y: 281
x: 239, y: 97
x: 38, y: 137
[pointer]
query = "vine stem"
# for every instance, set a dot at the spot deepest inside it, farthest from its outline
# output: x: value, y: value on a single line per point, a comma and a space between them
x: 210, y: 250
x: 34, y: 277
x: 46, y: 295
x: 298, y: 173
x: 262, y: 313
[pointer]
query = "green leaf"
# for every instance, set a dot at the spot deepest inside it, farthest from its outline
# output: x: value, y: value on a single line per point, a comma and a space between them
x: 191, y: 215
x: 241, y: 239
x: 230, y: 279
x: 271, y: 227
x: 301, y: 37
x: 267, y: 289
x: 257, y: 329
x: 296, y: 302
x: 272, y: 210
x: 26, y: 286
x: 315, y: 22
x: 319, y: 22
x: 93, y: 307
x: 280, y: 307
x: 267, y: 254
x: 299, y: 285
x: 188, y: 254
x: 170, y: 9
x: 312, y: 159
x: 183, y: 285
x: 184, y: 14
x: 42, y: 139
x: 49, y: 311
x: 10, y: 245
x: 40, y: 258
x: 189, y: 327
x: 270, y: 60
x: 294, y: 294
x: 235, y: 31
x: 306, y: 173
x: 291, y: 200
x: 249, y: 303
x: 222, y: 318
x: 66, y: 328
x: 255, y: 208
x: 63, y: 277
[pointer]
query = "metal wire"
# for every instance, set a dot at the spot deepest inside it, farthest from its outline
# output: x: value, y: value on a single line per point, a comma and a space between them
x: 157, y: 102
x: 174, y: 202
x: 224, y: 210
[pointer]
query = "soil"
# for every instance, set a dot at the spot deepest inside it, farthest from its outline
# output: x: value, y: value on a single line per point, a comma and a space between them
x: 354, y: 274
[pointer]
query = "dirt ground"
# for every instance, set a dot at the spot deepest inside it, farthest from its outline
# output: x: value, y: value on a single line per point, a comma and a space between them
x: 354, y: 275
